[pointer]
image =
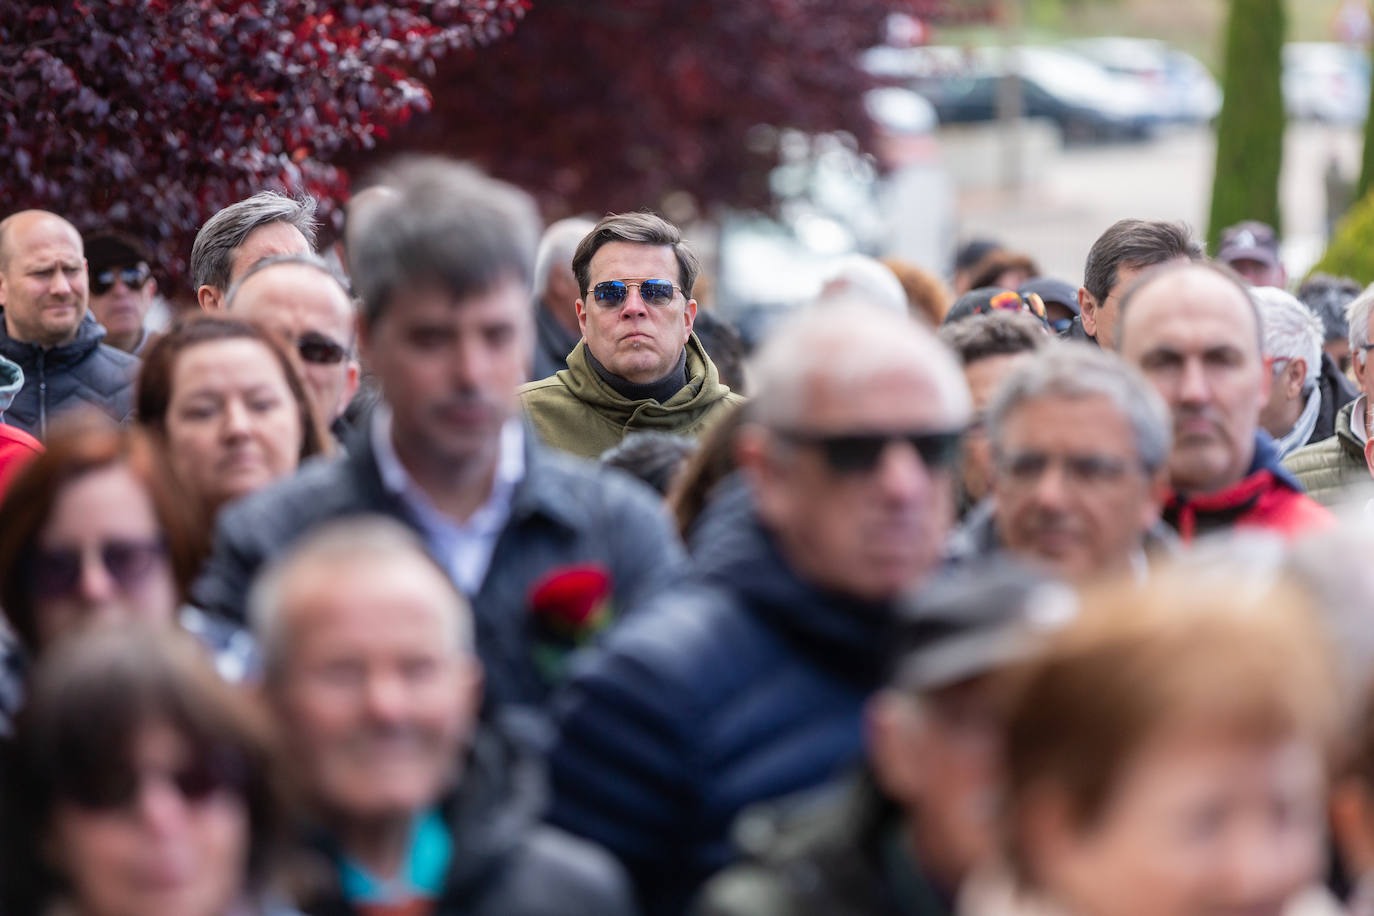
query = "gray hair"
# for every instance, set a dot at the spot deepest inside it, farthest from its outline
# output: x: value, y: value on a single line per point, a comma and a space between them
x: 847, y: 343
x: 212, y: 254
x: 351, y: 543
x: 1291, y: 331
x: 557, y: 246
x: 1357, y: 316
x: 446, y: 224
x: 313, y: 261
x: 1076, y: 371
x: 859, y: 278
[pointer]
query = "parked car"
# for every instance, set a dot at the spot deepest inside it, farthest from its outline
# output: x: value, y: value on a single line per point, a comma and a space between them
x: 1325, y: 81
x: 1086, y: 101
x: 1183, y: 90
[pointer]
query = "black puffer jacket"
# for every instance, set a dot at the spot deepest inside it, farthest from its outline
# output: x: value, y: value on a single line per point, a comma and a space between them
x: 504, y: 862
x: 745, y: 687
x: 84, y: 371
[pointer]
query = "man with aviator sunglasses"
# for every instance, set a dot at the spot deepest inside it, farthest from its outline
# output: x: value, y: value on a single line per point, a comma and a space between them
x: 639, y: 367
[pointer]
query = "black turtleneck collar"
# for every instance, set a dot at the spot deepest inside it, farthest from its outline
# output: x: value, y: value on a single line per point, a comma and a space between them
x: 660, y: 391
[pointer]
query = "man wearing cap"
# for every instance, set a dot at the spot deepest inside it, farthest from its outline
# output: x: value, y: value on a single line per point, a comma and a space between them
x: 1119, y: 255
x: 905, y: 833
x: 1060, y: 300
x: 122, y: 288
x: 1251, y: 249
x: 638, y: 366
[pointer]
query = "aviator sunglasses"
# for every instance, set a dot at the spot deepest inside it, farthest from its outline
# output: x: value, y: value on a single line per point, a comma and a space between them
x: 133, y: 278
x: 859, y: 453
x: 653, y: 292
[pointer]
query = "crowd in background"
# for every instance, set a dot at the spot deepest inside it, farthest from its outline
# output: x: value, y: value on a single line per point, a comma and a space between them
x: 467, y: 568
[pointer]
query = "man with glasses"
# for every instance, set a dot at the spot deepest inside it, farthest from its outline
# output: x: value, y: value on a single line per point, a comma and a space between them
x: 47, y: 328
x: 298, y: 298
x: 638, y: 367
x: 748, y: 684
x: 1079, y: 443
x: 1195, y: 333
x: 122, y: 289
x: 1128, y: 247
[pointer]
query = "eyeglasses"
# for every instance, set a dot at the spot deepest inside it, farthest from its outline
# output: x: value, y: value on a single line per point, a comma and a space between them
x: 859, y: 453
x: 1026, y: 468
x: 316, y: 348
x: 132, y: 277
x: 653, y: 292
x: 57, y: 573
x: 110, y: 788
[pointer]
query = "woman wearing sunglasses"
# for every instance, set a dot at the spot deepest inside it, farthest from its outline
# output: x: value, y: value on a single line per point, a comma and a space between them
x: 96, y: 532
x: 138, y: 785
x: 229, y: 409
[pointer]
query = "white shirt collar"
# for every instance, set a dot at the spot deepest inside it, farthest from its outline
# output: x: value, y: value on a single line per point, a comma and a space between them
x: 510, y: 465
x: 1357, y: 419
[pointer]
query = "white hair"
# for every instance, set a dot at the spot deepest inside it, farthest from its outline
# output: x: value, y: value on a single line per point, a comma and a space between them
x: 848, y: 343
x: 1290, y: 330
x: 857, y: 278
x: 360, y: 542
x: 557, y: 246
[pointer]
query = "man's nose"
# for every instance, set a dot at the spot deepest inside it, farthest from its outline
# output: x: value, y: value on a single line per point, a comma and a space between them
x: 1193, y: 385
x: 901, y: 472
x: 634, y: 304
x: 1052, y: 486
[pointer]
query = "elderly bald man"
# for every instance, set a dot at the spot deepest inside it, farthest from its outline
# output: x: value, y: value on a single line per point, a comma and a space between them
x: 48, y: 329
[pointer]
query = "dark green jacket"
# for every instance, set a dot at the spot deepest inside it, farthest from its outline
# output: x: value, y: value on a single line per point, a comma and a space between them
x: 1332, y: 468
x: 576, y: 411
x: 841, y: 854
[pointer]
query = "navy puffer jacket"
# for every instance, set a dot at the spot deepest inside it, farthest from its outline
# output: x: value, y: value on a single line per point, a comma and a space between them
x: 745, y: 686
x: 84, y: 371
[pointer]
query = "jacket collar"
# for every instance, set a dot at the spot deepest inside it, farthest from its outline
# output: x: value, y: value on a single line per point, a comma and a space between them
x: 11, y: 380
x: 539, y: 492
x: 732, y: 550
x: 1226, y: 506
x: 89, y: 334
x: 703, y: 388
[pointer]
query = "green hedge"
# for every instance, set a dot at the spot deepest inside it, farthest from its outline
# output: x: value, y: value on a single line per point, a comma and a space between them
x: 1351, y: 250
x: 1250, y: 126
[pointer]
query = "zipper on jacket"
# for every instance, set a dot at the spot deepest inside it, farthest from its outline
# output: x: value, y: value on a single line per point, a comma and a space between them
x: 42, y: 395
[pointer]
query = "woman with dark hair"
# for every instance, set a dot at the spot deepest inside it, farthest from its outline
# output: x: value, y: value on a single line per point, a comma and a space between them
x: 228, y: 407
x: 95, y: 531
x: 139, y: 785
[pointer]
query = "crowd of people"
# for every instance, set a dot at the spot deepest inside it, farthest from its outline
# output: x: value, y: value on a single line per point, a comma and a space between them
x: 464, y: 568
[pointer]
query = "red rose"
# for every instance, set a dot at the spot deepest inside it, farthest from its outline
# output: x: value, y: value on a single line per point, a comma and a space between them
x: 572, y: 599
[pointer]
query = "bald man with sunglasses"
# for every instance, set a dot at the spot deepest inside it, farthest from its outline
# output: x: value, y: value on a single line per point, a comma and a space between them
x: 749, y: 683
x: 638, y: 367
x: 298, y: 298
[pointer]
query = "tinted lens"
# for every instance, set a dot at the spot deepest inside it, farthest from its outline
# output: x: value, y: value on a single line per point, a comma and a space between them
x: 101, y: 282
x: 132, y: 277
x: 318, y: 349
x: 937, y: 450
x: 656, y: 292
x: 853, y: 454
x: 610, y: 291
x: 55, y: 572
x: 128, y: 562
x: 204, y: 776
x: 100, y: 788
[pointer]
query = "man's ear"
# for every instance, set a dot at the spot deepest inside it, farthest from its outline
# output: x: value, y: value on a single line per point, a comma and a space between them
x: 1087, y: 308
x: 581, y: 316
x: 210, y: 299
x: 690, y: 314
x: 1369, y: 455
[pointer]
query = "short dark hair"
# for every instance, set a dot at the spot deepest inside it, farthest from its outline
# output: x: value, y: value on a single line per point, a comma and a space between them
x: 641, y: 228
x: 1133, y: 244
x: 92, y: 697
x: 997, y: 333
x: 445, y: 223
x: 1327, y: 296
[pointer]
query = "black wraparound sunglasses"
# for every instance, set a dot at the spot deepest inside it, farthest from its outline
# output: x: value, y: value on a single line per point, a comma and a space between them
x: 859, y: 453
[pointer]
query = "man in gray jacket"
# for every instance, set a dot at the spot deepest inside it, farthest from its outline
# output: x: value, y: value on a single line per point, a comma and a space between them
x: 47, y: 327
x: 546, y: 548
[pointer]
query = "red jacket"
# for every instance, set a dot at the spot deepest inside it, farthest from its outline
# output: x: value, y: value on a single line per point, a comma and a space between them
x: 1269, y: 498
x: 16, y: 448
